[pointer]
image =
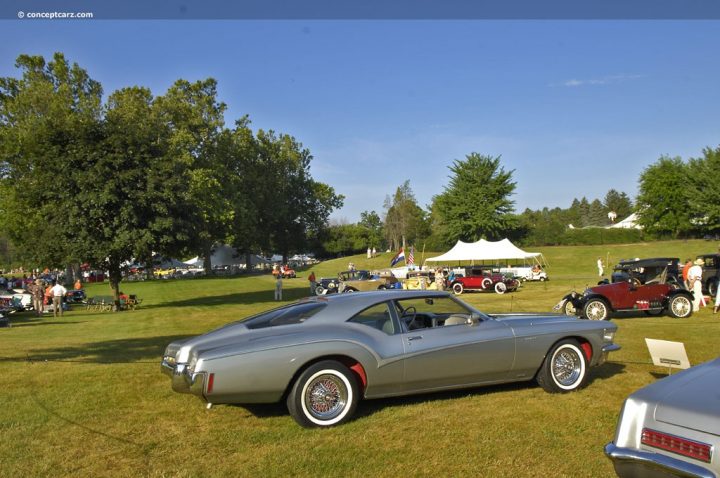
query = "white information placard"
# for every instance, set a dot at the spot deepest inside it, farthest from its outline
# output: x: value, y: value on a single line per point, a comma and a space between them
x: 668, y: 354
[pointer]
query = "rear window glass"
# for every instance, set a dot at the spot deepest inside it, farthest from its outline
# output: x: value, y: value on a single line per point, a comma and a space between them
x: 293, y: 314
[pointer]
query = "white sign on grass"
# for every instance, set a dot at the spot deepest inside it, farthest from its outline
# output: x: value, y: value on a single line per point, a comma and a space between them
x: 668, y: 354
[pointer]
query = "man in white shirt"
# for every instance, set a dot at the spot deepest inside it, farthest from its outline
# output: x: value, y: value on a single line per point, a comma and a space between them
x: 695, y: 280
x: 58, y: 292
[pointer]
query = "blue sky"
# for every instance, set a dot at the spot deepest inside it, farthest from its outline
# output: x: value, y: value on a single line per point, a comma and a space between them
x: 575, y: 108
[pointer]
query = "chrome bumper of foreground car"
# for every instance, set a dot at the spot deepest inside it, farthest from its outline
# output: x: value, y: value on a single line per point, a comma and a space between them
x: 183, y: 380
x: 641, y: 464
x: 606, y: 352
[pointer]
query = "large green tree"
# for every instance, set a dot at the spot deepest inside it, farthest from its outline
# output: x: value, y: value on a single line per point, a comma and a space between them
x: 476, y: 203
x: 405, y: 220
x: 619, y: 203
x: 663, y: 198
x: 704, y: 185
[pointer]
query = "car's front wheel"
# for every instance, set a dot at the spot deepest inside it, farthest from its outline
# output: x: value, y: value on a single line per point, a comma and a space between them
x: 680, y: 307
x: 457, y: 288
x: 500, y: 288
x: 568, y: 308
x: 325, y: 394
x: 596, y: 309
x: 564, y: 368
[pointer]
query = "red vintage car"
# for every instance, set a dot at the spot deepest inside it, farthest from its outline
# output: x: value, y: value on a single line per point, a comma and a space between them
x: 634, y: 296
x: 477, y: 278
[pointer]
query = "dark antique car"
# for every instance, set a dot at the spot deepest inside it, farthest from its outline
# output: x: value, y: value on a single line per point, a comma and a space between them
x: 650, y: 297
x: 671, y: 427
x: 643, y: 270
x: 711, y: 273
x: 363, y: 280
x: 322, y: 355
x: 327, y: 285
x: 479, y: 279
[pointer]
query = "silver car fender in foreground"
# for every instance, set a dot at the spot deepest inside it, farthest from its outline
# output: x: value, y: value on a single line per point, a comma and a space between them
x: 671, y: 427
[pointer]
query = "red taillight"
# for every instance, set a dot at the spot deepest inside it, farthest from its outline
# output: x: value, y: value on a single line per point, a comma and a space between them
x: 211, y: 382
x: 681, y: 446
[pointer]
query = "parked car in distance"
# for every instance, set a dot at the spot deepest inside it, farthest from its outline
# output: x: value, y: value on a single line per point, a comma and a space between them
x: 653, y: 297
x: 526, y: 273
x: 287, y: 273
x: 322, y: 355
x: 16, y: 300
x: 420, y: 280
x: 363, y: 280
x: 711, y: 273
x: 481, y: 279
x: 327, y: 285
x: 76, y: 296
x: 671, y: 427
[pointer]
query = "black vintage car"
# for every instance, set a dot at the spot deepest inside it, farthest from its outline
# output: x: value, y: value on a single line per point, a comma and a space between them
x: 327, y: 285
x: 642, y: 270
x: 711, y: 273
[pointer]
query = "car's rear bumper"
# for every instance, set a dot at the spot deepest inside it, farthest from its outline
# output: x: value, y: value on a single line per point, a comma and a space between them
x: 183, y: 380
x: 631, y: 463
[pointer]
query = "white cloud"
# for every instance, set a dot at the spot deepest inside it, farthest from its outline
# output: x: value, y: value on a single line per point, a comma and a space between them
x: 605, y: 80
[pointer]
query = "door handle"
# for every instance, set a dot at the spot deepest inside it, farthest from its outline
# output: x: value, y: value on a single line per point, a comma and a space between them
x: 414, y: 337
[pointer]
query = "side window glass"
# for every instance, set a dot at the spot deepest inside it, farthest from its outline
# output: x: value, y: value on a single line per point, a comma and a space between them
x: 377, y: 317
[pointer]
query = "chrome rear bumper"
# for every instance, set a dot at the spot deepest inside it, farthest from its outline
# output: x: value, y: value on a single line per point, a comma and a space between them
x: 641, y: 464
x: 183, y: 380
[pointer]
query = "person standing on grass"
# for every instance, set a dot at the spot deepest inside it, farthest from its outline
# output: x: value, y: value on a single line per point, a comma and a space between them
x: 58, y: 292
x: 37, y: 290
x: 313, y: 282
x: 600, y: 266
x: 685, y: 270
x: 278, y: 286
x: 695, y: 280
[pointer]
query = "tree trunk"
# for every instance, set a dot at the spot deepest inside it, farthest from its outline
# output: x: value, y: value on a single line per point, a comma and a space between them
x: 248, y: 263
x: 115, y: 277
x: 207, y: 256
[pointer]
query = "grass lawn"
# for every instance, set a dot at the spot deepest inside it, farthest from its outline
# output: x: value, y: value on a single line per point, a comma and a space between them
x: 83, y: 394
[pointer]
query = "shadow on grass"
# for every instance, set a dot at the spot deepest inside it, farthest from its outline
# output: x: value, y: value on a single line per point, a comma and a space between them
x: 111, y: 351
x: 370, y: 407
x: 367, y: 408
x: 245, y: 298
x: 31, y: 320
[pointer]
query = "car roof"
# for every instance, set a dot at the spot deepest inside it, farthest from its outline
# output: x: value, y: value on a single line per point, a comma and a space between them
x: 653, y: 261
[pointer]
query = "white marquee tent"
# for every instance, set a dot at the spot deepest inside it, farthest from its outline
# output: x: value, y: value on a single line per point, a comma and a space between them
x: 483, y: 250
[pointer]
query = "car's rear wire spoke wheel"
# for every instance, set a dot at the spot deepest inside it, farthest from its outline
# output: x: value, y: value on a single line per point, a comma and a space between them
x: 680, y: 307
x: 325, y: 394
x: 500, y: 288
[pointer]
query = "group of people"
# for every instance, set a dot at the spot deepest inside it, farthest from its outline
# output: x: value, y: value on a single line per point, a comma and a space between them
x: 692, y: 277
x: 53, y: 292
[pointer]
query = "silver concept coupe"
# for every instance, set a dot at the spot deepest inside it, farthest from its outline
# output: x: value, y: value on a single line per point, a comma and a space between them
x: 322, y: 355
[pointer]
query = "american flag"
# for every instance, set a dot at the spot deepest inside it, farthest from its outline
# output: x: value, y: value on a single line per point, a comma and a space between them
x: 411, y: 257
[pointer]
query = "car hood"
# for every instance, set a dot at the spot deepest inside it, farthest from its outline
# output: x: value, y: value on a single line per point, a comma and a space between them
x: 691, y: 399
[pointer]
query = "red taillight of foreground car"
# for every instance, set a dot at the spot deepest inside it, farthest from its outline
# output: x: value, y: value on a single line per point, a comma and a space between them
x: 681, y: 446
x: 211, y: 382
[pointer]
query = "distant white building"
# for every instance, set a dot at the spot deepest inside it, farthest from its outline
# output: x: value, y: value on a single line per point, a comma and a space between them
x: 629, y: 222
